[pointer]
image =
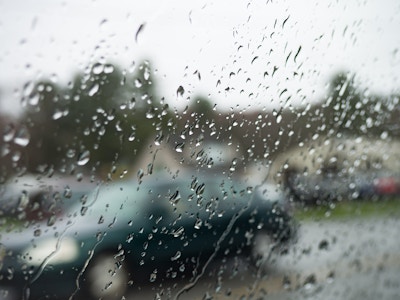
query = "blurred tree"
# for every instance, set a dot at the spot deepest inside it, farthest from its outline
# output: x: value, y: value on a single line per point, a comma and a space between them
x: 353, y: 111
x: 202, y: 107
x: 101, y: 118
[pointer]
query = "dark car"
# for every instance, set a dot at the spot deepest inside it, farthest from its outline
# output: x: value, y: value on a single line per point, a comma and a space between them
x: 127, y: 232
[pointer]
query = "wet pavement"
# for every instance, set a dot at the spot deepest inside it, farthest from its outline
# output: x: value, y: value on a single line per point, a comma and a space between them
x: 350, y: 260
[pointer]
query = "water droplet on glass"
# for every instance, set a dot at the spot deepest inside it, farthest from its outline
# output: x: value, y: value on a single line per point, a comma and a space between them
x: 9, y: 132
x: 139, y: 30
x: 309, y: 282
x: 138, y: 83
x: 175, y: 197
x: 83, y: 158
x: 34, y: 99
x: 153, y: 276
x: 108, y: 69
x: 84, y: 210
x: 176, y: 256
x: 193, y: 184
x: 101, y: 220
x: 67, y: 192
x: 179, y: 147
x: 178, y: 232
x: 71, y: 153
x: 132, y: 136
x: 180, y: 91
x: 51, y: 220
x: 94, y: 89
x: 200, y: 189
x: 23, y: 201
x: 140, y: 174
x: 22, y: 137
x: 57, y: 114
x: 98, y: 68
x: 198, y: 223
x: 150, y: 114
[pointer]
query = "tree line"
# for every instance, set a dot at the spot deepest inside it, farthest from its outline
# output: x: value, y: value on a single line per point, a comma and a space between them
x: 105, y: 116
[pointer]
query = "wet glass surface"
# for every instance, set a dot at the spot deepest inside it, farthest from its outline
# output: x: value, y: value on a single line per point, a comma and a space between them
x: 210, y: 150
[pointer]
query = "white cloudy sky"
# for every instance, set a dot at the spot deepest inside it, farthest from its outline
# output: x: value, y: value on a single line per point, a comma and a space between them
x: 234, y: 45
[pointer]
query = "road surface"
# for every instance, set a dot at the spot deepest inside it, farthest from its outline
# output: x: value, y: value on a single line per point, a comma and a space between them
x: 350, y: 260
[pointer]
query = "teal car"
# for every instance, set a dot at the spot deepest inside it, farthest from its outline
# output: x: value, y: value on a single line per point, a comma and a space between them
x: 127, y: 233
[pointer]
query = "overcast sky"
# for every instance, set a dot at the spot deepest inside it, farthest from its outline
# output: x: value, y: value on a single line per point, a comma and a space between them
x: 235, y: 46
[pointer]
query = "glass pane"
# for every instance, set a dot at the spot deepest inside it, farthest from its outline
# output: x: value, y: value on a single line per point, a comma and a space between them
x: 207, y: 150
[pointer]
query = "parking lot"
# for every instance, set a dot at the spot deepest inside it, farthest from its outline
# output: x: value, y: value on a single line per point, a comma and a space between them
x: 355, y: 259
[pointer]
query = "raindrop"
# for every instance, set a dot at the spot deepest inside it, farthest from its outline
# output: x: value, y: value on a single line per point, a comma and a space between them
x: 67, y: 192
x: 28, y: 88
x: 198, y: 223
x: 94, y: 89
x: 297, y: 54
x: 140, y: 174
x: 51, y: 220
x: 310, y: 282
x: 84, y: 210
x: 159, y: 138
x: 108, y: 69
x: 9, y: 133
x: 22, y: 137
x: 23, y: 201
x: 71, y: 153
x: 180, y: 91
x: 178, y: 232
x: 150, y: 114
x: 139, y: 30
x: 176, y: 256
x: 179, y: 147
x: 34, y: 99
x: 153, y: 276
x: 132, y: 103
x: 98, y: 68
x: 193, y: 184
x: 138, y: 83
x: 200, y: 189
x: 57, y: 114
x: 331, y: 277
x: 83, y: 158
x: 132, y: 136
x: 37, y: 232
x: 175, y: 197
x: 146, y: 73
x: 286, y: 282
x: 323, y: 245
x: 150, y: 167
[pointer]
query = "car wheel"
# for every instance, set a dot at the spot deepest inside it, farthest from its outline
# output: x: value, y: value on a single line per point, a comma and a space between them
x: 106, y: 277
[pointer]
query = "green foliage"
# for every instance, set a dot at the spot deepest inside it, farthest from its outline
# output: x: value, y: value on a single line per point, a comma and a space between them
x: 353, y: 111
x: 103, y: 113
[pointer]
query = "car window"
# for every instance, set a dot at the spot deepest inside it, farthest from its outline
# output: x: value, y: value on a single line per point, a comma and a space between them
x: 207, y: 150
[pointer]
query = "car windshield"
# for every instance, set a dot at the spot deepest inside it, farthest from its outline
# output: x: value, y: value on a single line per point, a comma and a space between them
x: 205, y: 150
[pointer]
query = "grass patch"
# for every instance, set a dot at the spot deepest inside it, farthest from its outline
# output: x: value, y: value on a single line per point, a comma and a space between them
x: 349, y: 209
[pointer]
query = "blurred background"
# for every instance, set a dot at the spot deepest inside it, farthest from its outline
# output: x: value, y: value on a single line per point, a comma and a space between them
x: 303, y: 96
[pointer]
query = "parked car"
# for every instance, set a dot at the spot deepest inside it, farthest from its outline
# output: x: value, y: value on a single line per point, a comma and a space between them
x: 335, y: 186
x: 150, y: 231
x: 35, y: 198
